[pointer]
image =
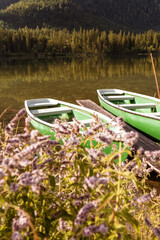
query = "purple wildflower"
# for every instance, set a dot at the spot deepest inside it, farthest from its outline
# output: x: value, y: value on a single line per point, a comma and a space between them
x: 33, y: 179
x: 87, y: 232
x: 34, y: 135
x: 11, y: 126
x: 61, y: 128
x: 9, y: 163
x: 13, y: 140
x: 20, y: 223
x: 102, y: 180
x: 130, y: 138
x: 27, y: 125
x: 34, y: 163
x: 104, y: 139
x: 91, y: 182
x: 97, y: 126
x: 152, y: 155
x: 153, y: 193
x: 14, y: 187
x: 95, y: 153
x: 26, y: 179
x: 77, y: 203
x: 75, y: 126
x: 147, y: 222
x: 2, y: 174
x: 87, y: 133
x: 24, y: 136
x: 62, y: 225
x: 84, y: 211
x: 90, y: 230
x: 103, y: 229
x: 73, y: 140
x: 144, y: 198
x: 156, y: 232
x: 120, y: 121
x: 16, y: 236
x: 52, y: 142
x: 28, y: 151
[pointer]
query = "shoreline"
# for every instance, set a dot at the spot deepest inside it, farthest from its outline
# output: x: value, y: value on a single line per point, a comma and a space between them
x: 71, y: 55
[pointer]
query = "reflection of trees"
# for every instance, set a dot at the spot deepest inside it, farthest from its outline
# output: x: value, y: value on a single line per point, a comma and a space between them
x: 73, y: 69
x: 71, y: 79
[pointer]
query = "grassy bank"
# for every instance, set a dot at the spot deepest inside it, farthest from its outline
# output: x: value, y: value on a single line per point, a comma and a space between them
x: 54, y: 191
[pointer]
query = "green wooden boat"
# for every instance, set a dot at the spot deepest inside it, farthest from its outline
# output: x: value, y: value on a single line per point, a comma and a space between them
x: 44, y: 111
x: 140, y: 111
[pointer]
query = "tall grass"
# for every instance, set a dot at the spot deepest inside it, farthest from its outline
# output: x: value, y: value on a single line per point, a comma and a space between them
x: 68, y: 191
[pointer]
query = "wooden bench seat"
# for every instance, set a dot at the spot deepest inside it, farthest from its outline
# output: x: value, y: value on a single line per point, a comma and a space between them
x: 112, y: 93
x: 138, y: 105
x: 44, y: 104
x: 51, y: 111
x: 121, y: 97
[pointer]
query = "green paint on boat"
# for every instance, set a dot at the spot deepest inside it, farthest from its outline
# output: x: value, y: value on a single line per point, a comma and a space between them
x: 140, y: 111
x: 43, y: 113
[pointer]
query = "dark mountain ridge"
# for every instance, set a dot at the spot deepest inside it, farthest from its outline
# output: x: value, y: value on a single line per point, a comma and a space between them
x: 127, y: 15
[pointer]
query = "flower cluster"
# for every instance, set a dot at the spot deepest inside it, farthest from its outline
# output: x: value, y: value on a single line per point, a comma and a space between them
x: 84, y: 212
x: 78, y: 186
x: 90, y: 230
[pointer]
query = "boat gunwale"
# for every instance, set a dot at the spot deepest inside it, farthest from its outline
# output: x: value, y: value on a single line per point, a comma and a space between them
x: 128, y: 110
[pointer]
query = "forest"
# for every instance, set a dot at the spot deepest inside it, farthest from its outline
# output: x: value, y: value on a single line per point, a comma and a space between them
x: 126, y: 15
x: 63, y: 42
x: 61, y: 27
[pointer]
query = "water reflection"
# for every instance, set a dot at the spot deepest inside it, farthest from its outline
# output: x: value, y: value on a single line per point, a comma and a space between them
x: 69, y: 79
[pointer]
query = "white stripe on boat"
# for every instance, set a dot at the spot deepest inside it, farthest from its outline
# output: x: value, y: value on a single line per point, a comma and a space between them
x: 154, y: 114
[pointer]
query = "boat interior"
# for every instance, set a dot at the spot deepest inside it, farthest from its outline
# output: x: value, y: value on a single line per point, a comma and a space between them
x: 49, y: 111
x: 132, y: 102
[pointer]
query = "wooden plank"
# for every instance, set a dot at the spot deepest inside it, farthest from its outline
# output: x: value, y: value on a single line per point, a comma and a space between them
x: 111, y: 93
x: 144, y: 142
x: 116, y: 98
x: 42, y: 104
x: 138, y: 105
x: 53, y: 111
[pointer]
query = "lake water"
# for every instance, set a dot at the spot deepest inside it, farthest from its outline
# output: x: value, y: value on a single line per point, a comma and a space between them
x: 70, y: 79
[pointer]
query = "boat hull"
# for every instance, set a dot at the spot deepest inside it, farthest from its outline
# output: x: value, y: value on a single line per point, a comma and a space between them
x: 146, y: 124
x: 46, y: 128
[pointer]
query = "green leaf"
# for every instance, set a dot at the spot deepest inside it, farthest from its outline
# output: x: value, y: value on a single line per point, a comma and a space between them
x: 52, y: 182
x: 61, y: 214
x: 129, y: 218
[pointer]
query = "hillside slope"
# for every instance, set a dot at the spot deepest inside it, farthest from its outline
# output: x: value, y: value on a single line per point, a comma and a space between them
x: 132, y: 15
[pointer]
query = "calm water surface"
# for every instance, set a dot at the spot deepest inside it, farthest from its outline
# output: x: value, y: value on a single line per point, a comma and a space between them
x: 70, y: 79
